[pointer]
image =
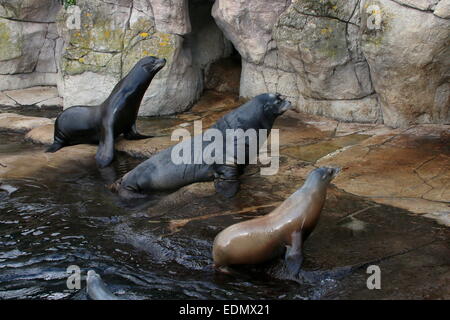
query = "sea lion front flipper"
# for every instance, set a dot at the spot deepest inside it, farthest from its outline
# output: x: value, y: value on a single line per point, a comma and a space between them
x: 294, y: 255
x: 226, y: 180
x: 133, y: 134
x: 105, y: 151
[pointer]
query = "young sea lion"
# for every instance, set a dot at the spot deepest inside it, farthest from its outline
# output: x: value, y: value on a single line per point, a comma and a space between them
x: 102, y: 124
x: 288, y: 226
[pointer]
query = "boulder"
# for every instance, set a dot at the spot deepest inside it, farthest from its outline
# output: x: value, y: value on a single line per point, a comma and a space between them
x: 248, y: 24
x: 424, y: 5
x: 346, y: 59
x: 28, y: 42
x: 321, y: 43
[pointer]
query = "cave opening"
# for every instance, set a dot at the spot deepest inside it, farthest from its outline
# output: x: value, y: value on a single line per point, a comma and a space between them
x: 215, y: 55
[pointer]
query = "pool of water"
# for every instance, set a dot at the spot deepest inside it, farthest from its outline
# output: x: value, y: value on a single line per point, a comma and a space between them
x: 161, y: 249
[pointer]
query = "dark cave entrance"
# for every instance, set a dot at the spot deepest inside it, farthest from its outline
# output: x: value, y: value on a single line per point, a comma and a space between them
x: 224, y: 75
x: 212, y: 52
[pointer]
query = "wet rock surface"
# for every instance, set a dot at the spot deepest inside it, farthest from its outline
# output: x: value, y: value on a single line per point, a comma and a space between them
x: 62, y: 214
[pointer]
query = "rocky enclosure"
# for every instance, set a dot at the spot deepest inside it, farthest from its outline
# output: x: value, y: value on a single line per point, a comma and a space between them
x: 375, y: 61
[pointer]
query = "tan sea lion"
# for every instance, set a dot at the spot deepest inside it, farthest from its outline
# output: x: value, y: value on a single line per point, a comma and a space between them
x: 288, y: 226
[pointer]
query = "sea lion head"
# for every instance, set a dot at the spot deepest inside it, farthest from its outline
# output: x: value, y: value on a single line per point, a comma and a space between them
x: 275, y: 104
x: 152, y: 64
x: 322, y: 176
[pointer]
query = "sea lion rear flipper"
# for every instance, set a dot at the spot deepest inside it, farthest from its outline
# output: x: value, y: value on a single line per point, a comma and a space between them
x: 133, y: 134
x: 294, y: 254
x: 226, y: 180
x: 105, y: 151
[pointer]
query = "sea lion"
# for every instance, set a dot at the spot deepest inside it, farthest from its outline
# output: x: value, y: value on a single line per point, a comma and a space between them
x: 102, y: 124
x: 288, y: 226
x: 96, y: 288
x: 160, y: 173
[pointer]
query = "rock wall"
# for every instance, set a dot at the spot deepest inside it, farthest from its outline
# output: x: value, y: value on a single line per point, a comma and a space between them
x: 353, y: 60
x: 409, y: 59
x: 29, y: 43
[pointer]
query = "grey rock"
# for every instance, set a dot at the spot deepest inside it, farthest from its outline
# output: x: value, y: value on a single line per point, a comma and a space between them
x: 171, y: 16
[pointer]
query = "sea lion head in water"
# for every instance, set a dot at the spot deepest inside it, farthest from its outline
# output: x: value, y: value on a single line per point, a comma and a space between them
x: 287, y: 227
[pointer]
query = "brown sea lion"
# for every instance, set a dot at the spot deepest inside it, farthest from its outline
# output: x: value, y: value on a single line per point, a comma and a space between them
x: 288, y: 226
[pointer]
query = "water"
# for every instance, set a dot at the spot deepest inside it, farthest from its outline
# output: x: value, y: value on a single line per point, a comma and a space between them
x: 48, y: 225
x: 63, y: 215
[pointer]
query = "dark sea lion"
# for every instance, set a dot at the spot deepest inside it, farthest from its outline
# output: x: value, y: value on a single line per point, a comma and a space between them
x: 160, y: 173
x: 96, y: 288
x: 102, y: 124
x: 288, y: 226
